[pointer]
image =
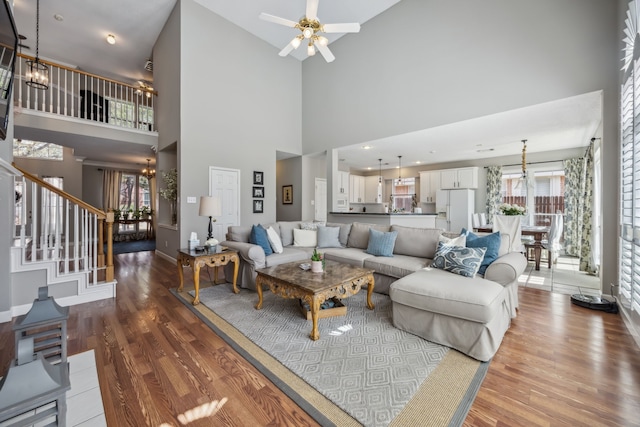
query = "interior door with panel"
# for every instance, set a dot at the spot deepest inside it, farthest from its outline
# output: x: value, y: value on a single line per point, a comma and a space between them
x: 225, y: 184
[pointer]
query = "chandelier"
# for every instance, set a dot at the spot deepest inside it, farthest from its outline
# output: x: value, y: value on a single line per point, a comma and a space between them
x: 148, y: 172
x: 524, y: 158
x: 37, y: 72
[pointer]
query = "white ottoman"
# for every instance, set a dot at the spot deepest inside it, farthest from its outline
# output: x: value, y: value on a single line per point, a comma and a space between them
x: 468, y: 314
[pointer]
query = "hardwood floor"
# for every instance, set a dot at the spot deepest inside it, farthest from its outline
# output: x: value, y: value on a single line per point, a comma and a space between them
x: 559, y: 364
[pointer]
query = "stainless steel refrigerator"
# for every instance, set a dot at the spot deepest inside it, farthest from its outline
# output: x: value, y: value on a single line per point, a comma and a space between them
x: 455, y: 208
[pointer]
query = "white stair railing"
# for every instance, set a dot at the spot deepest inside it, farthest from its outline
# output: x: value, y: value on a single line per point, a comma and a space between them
x: 51, y: 225
x: 82, y: 95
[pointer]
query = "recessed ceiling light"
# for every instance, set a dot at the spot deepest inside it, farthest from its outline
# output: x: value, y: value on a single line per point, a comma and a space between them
x: 432, y: 151
x: 418, y: 162
x: 366, y: 147
x: 111, y: 39
x: 58, y: 17
x: 369, y: 168
x: 485, y: 149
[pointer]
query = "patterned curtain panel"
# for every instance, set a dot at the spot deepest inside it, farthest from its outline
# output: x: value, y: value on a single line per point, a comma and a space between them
x: 587, y: 263
x: 494, y: 185
x: 573, y: 204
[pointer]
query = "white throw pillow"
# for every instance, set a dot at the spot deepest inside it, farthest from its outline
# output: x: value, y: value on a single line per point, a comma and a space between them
x: 461, y: 240
x: 307, y: 238
x: 274, y: 240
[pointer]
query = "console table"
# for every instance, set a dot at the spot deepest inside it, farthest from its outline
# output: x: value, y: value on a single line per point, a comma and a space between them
x: 147, y: 233
x: 211, y: 258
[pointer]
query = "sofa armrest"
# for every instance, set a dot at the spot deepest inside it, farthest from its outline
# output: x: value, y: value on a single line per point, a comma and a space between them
x: 253, y: 254
x: 506, y: 269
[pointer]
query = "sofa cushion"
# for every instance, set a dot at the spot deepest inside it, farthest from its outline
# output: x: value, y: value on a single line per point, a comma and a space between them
x: 259, y: 237
x: 413, y: 241
x: 458, y: 259
x: 274, y: 240
x: 328, y: 237
x: 460, y: 240
x: 308, y: 238
x: 239, y: 233
x: 345, y: 229
x: 491, y: 242
x: 381, y: 243
x: 289, y: 254
x: 397, y: 266
x: 353, y: 256
x: 439, y: 291
x: 359, y: 235
x: 286, y: 231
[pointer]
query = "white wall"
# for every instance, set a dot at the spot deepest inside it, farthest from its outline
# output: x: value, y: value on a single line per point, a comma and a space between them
x: 240, y: 103
x: 426, y: 63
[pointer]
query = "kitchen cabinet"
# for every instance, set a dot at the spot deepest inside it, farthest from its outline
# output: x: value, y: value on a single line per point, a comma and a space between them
x: 429, y: 185
x: 371, y: 190
x: 356, y: 188
x: 451, y: 179
x: 342, y: 184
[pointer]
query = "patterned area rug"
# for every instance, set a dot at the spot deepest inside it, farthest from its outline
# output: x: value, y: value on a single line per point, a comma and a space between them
x: 374, y: 373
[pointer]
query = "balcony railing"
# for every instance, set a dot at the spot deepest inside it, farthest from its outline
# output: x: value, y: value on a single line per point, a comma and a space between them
x: 81, y: 95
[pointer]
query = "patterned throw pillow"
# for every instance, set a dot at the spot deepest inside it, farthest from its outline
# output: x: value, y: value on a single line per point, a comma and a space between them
x: 311, y: 225
x: 458, y: 259
x: 381, y: 243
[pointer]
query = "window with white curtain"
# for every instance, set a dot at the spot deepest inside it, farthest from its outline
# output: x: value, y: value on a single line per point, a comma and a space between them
x: 629, y: 239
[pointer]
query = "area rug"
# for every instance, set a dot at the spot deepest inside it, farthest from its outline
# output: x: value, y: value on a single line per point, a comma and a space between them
x: 133, y: 246
x: 362, y: 370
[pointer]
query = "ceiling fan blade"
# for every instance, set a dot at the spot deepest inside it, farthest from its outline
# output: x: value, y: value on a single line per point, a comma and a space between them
x: 341, y: 28
x: 326, y: 53
x: 312, y: 10
x: 288, y: 48
x: 278, y: 20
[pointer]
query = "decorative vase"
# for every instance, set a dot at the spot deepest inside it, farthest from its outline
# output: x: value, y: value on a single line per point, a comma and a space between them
x: 316, y: 266
x: 174, y: 212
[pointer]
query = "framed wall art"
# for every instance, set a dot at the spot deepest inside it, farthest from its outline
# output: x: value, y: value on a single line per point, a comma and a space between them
x: 258, y: 206
x: 287, y: 194
x: 258, y: 178
x: 258, y: 192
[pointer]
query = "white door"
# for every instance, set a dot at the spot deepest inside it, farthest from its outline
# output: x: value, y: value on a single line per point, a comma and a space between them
x: 321, y: 200
x: 225, y: 184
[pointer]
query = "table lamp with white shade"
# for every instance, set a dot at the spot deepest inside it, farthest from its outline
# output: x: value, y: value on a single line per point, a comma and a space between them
x: 210, y: 206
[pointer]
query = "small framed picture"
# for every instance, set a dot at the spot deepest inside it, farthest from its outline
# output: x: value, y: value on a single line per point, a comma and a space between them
x: 258, y: 206
x: 258, y: 192
x: 287, y: 194
x: 258, y: 178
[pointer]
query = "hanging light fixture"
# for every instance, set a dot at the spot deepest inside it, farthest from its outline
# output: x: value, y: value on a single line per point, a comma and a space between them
x: 399, y: 181
x: 379, y: 195
x: 148, y: 172
x: 37, y: 72
x: 524, y: 158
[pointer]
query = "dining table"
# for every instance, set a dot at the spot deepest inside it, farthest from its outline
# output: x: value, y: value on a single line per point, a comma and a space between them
x: 537, y: 231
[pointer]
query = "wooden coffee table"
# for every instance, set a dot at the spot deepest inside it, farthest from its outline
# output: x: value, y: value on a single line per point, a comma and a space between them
x: 338, y: 280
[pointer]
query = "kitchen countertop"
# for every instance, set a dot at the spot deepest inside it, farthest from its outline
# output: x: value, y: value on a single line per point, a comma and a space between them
x: 384, y: 214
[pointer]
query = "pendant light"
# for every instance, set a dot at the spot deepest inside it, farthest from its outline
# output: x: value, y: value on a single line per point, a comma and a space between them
x: 524, y: 158
x: 379, y: 195
x: 37, y: 72
x: 399, y: 182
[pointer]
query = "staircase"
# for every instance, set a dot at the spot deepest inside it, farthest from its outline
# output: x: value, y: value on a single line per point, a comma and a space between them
x: 61, y: 235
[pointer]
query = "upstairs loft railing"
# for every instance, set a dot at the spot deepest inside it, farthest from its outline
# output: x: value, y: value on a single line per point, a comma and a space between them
x: 52, y: 225
x: 82, y: 95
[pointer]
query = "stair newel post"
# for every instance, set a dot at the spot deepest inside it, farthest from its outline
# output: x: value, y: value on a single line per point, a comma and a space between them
x: 109, y: 269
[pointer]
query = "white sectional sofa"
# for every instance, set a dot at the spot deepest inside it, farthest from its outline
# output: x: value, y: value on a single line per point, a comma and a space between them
x: 470, y: 314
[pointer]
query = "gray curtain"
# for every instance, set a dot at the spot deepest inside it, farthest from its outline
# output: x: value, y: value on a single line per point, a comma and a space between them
x: 587, y: 262
x: 111, y: 189
x: 494, y: 185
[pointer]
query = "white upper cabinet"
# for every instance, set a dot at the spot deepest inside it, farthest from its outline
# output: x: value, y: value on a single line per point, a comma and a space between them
x: 459, y: 178
x: 342, y: 186
x: 357, y: 189
x: 429, y: 185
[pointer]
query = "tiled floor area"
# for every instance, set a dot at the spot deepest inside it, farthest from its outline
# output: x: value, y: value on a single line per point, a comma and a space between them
x: 563, y: 278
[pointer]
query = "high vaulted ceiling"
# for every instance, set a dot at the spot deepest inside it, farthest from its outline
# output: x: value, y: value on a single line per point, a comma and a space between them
x: 78, y: 40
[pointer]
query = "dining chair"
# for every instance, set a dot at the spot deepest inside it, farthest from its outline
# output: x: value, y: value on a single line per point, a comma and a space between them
x: 475, y: 221
x: 552, y: 243
x: 511, y: 225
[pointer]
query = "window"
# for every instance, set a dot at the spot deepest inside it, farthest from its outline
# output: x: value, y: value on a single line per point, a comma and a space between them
x: 547, y: 188
x: 134, y: 194
x: 403, y: 194
x: 36, y: 150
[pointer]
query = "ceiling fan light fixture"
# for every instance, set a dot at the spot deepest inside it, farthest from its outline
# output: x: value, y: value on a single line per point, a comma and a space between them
x: 307, y: 32
x: 311, y: 49
x: 322, y: 41
x: 296, y: 42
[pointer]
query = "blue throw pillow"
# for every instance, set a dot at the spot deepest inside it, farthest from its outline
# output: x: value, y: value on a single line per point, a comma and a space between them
x: 491, y: 242
x: 381, y: 243
x: 458, y: 259
x: 259, y: 236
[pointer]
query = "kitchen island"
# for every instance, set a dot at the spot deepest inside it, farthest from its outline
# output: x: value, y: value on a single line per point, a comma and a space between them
x: 422, y: 220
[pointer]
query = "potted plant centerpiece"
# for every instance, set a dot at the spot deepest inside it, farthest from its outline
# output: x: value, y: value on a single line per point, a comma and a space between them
x: 508, y: 209
x: 317, y: 262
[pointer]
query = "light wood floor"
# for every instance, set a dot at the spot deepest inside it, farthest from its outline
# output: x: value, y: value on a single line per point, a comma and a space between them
x: 558, y: 365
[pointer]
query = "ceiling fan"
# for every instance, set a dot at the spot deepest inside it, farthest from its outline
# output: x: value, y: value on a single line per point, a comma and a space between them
x: 310, y: 26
